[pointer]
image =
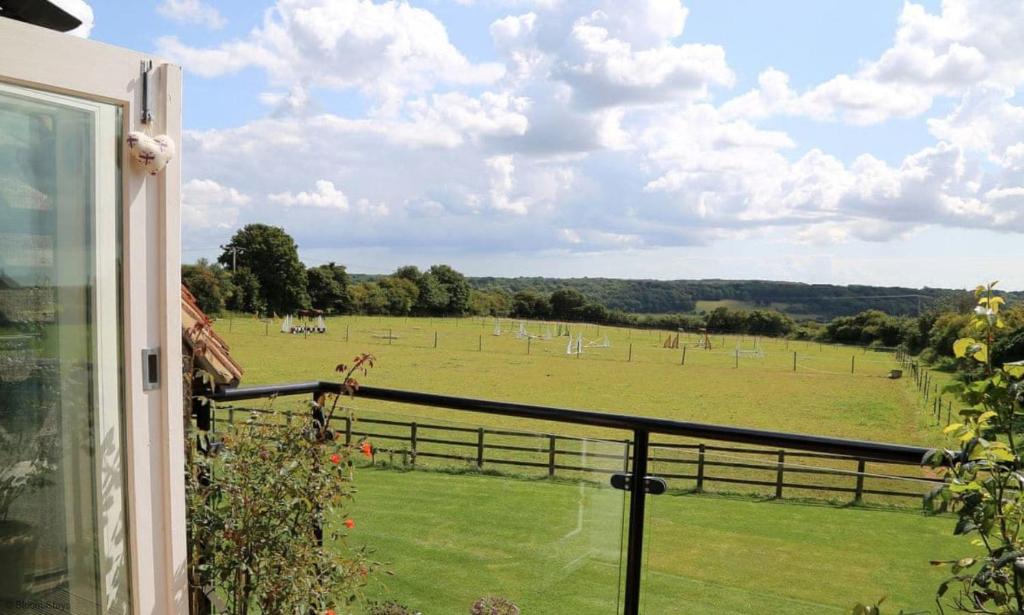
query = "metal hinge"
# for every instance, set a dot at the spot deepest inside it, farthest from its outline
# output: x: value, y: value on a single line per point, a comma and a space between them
x: 654, y: 485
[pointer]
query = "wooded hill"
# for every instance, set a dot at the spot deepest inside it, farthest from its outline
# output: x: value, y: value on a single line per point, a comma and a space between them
x: 811, y: 301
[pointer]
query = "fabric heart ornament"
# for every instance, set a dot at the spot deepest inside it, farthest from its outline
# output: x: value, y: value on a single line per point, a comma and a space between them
x: 150, y: 153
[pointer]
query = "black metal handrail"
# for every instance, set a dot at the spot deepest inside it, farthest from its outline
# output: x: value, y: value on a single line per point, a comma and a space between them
x: 896, y: 453
x: 642, y: 427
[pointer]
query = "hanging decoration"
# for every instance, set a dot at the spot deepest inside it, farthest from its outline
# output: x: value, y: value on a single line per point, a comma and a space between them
x: 151, y: 153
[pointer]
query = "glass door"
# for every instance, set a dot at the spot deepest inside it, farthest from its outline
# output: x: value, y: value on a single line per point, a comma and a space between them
x: 62, y: 528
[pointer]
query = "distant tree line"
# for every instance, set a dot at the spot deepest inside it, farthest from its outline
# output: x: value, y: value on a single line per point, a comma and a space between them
x: 259, y: 271
x: 814, y: 301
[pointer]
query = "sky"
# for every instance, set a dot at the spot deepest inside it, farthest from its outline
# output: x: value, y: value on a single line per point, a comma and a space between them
x: 820, y: 141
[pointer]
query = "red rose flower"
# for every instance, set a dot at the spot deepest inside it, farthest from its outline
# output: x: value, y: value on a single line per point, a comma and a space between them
x: 335, y: 458
x: 350, y: 523
x: 367, y: 449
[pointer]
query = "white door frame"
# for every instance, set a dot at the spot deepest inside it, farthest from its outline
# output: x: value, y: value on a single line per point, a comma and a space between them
x: 151, y: 253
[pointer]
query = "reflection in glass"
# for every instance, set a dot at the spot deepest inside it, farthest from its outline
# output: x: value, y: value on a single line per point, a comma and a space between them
x: 61, y: 511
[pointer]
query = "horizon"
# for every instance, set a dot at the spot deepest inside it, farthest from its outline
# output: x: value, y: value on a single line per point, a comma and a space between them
x: 834, y: 143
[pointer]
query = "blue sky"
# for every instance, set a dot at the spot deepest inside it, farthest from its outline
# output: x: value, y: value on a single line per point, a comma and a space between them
x: 826, y: 141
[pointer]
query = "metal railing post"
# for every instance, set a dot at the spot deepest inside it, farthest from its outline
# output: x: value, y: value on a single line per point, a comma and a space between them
x: 635, y: 542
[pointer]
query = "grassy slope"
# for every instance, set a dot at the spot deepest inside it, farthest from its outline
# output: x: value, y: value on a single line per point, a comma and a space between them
x: 821, y: 397
x: 452, y: 538
x: 554, y: 548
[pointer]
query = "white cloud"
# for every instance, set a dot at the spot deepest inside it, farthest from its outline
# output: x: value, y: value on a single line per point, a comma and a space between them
x: 206, y: 203
x: 601, y: 133
x: 969, y: 43
x: 611, y: 71
x: 502, y: 184
x: 191, y: 12
x: 385, y: 50
x: 984, y: 121
x: 326, y: 196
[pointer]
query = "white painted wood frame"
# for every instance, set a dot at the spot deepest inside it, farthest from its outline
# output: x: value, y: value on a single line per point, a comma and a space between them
x: 44, y: 60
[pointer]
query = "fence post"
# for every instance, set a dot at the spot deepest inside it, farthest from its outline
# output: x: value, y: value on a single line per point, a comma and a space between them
x: 348, y: 430
x: 779, y: 473
x: 794, y: 360
x: 737, y: 358
x: 630, y: 359
x: 683, y: 360
x: 853, y: 362
x: 231, y: 415
x: 700, y: 467
x: 391, y: 337
x: 528, y: 341
x: 480, y: 448
x: 551, y: 456
x: 346, y: 333
x: 859, y: 493
x: 412, y: 441
x: 435, y: 339
x: 480, y: 344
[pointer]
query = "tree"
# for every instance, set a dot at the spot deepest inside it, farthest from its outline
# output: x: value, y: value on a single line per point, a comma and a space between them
x: 594, y: 312
x: 530, y: 304
x: 495, y: 303
x: 273, y: 258
x: 400, y: 293
x: 409, y: 272
x: 245, y: 295
x: 369, y: 298
x: 328, y: 288
x: 566, y: 304
x: 209, y: 284
x: 455, y: 286
x: 946, y: 330
x: 433, y: 298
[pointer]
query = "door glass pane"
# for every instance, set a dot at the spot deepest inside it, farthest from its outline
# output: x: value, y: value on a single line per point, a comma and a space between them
x: 61, y: 507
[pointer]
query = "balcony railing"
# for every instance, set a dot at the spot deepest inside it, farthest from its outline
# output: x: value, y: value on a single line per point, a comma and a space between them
x: 657, y: 453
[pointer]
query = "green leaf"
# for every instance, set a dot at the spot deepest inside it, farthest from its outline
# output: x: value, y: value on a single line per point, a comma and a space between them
x: 952, y: 427
x: 961, y: 346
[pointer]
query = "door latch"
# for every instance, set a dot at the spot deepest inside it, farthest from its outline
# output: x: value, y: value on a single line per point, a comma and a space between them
x: 654, y: 485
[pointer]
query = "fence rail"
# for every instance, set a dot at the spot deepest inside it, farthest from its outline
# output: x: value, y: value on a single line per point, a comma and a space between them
x: 556, y: 456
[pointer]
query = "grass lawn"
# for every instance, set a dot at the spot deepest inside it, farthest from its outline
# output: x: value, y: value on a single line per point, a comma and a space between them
x: 554, y: 547
x: 820, y: 397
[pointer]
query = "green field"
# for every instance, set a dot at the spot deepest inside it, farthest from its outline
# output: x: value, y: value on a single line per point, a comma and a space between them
x: 554, y: 546
x: 706, y: 305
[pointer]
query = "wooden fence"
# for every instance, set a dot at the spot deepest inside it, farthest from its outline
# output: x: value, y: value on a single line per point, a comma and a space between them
x: 773, y: 471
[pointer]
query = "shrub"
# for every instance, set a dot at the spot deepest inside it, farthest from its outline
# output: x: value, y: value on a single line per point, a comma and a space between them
x: 928, y: 356
x: 255, y: 526
x: 984, y: 485
x: 494, y: 605
x: 259, y: 501
x: 389, y: 608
